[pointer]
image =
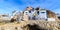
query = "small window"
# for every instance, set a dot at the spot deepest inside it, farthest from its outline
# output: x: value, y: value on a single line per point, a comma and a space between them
x: 38, y: 12
x: 42, y: 12
x: 58, y: 17
x: 29, y: 11
x: 26, y: 12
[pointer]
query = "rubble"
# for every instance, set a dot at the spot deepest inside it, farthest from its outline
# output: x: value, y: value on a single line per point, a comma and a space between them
x: 25, y: 25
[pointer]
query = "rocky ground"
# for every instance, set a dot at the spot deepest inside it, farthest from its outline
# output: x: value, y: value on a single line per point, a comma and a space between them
x: 31, y: 25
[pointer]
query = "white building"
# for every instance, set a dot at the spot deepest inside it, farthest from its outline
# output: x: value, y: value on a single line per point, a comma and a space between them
x: 39, y: 14
x: 36, y: 14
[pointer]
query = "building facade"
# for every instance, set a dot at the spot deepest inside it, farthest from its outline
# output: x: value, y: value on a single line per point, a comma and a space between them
x: 39, y: 14
x: 36, y: 14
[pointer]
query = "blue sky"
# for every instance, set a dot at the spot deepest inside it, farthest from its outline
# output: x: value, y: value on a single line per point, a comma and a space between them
x: 7, y: 6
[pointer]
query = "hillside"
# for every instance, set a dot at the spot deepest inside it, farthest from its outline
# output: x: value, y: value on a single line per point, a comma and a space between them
x: 30, y: 25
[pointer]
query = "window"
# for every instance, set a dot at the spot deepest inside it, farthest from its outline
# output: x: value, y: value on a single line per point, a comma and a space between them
x: 26, y: 13
x: 29, y: 11
x: 58, y: 17
x: 38, y: 12
x: 42, y: 12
